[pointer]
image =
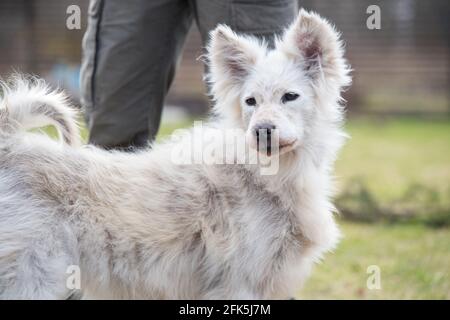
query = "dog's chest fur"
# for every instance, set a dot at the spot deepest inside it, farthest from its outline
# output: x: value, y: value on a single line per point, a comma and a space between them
x: 264, y: 227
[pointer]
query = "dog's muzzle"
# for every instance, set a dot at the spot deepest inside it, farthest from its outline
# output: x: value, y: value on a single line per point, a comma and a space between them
x: 265, y: 134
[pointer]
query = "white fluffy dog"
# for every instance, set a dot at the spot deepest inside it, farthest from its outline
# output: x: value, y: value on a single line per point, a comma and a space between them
x: 140, y: 226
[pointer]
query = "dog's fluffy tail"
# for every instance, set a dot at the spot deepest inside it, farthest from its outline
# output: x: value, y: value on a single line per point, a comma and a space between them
x: 28, y: 103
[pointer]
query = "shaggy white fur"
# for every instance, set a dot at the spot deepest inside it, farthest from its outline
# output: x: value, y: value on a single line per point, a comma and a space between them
x: 141, y: 226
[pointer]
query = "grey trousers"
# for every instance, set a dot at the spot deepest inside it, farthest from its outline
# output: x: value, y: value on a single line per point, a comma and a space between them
x: 131, y: 49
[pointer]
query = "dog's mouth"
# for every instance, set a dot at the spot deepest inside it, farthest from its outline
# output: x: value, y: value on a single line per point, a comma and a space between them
x: 284, y: 147
x: 288, y: 145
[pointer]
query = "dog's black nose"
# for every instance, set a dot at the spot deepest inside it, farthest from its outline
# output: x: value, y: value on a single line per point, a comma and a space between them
x: 264, y: 129
x: 263, y: 134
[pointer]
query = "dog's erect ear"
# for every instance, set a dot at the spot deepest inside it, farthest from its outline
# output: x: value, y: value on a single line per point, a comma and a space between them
x: 314, y: 43
x: 231, y: 57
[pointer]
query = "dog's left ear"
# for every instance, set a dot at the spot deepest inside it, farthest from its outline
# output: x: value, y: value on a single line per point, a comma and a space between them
x: 231, y: 57
x: 314, y: 43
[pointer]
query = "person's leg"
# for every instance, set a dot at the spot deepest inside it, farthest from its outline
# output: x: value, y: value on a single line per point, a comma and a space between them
x: 263, y: 18
x: 130, y: 52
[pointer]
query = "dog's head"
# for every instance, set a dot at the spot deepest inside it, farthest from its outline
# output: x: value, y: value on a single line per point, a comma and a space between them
x: 280, y: 92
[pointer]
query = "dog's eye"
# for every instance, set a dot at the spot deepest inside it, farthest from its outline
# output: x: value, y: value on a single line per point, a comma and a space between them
x: 289, y: 96
x: 250, y: 101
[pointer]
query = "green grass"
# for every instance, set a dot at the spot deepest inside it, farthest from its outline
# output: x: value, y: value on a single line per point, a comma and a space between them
x: 401, y: 162
x: 414, y: 262
x: 391, y: 155
x: 166, y: 129
x: 396, y: 170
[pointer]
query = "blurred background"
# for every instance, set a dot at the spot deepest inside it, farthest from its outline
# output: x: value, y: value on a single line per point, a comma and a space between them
x: 393, y: 175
